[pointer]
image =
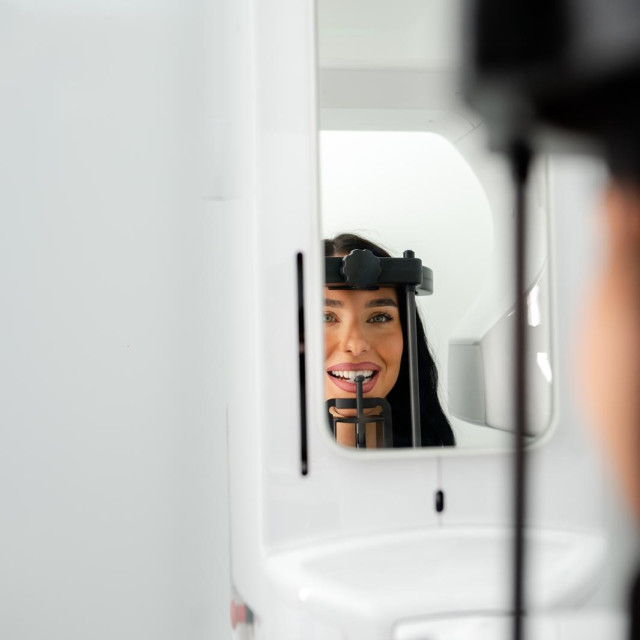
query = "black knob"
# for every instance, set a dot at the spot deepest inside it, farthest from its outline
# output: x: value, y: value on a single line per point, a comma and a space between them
x: 361, y: 269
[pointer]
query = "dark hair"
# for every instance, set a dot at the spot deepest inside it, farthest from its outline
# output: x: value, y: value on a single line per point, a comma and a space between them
x: 434, y: 426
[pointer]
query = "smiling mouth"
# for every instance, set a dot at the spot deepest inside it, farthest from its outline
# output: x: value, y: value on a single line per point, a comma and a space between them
x: 346, y: 380
x: 350, y: 376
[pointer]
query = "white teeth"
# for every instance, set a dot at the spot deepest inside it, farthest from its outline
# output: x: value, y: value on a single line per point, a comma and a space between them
x: 352, y: 375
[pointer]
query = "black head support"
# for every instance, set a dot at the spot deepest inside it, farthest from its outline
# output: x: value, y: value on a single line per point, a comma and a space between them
x: 361, y: 269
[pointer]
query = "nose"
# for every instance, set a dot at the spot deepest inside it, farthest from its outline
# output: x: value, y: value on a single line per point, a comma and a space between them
x: 354, y: 340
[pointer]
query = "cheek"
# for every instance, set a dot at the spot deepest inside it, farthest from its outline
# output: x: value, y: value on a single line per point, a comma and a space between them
x: 393, y: 351
x: 329, y: 343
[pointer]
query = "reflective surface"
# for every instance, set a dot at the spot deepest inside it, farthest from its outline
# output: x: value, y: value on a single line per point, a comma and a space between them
x: 404, y: 164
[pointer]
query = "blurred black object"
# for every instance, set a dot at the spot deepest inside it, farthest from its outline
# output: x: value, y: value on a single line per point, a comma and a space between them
x: 535, y: 66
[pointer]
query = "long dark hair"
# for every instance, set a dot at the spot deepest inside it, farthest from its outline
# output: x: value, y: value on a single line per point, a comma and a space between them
x: 434, y: 426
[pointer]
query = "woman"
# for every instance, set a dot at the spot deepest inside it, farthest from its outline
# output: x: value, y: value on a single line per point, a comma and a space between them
x: 364, y: 335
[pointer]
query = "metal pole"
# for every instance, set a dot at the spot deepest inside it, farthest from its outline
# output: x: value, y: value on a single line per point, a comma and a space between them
x: 520, y: 158
x: 360, y: 425
x: 412, y: 346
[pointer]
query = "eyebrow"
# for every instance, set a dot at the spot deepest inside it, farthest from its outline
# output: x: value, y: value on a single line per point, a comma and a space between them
x: 381, y: 302
x: 376, y: 302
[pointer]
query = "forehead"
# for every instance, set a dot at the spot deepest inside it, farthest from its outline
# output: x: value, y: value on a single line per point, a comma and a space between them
x: 361, y: 297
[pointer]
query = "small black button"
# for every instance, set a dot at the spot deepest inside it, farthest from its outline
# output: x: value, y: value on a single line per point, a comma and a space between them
x: 439, y: 501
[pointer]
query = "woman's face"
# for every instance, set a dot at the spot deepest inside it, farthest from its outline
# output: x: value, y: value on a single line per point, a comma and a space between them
x: 363, y: 336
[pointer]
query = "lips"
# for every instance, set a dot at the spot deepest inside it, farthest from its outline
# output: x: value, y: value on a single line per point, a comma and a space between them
x: 343, y: 375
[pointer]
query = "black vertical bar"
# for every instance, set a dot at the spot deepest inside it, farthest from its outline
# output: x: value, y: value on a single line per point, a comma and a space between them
x: 302, y: 369
x: 412, y: 345
x: 520, y: 158
x: 634, y: 609
x: 361, y: 426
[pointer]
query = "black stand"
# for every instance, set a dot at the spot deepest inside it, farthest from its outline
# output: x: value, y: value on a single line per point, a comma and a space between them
x: 360, y: 403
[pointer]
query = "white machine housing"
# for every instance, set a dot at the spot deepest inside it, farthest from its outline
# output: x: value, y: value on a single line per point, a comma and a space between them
x: 355, y: 548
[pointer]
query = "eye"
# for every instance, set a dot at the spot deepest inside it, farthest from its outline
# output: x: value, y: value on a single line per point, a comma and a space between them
x: 380, y: 318
x: 330, y: 317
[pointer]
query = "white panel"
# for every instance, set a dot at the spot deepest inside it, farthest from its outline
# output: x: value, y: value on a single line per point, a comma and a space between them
x: 383, y: 33
x: 569, y: 626
x: 467, y: 382
x: 112, y: 481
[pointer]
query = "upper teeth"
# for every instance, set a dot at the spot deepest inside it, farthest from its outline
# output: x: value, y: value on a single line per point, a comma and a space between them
x: 351, y: 375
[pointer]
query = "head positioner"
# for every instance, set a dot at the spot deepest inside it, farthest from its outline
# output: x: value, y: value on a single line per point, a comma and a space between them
x: 362, y: 269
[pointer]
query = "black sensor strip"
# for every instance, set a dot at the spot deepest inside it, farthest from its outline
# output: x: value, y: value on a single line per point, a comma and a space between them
x: 302, y: 369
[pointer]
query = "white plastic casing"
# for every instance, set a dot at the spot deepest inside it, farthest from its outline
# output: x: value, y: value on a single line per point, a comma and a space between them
x: 310, y: 552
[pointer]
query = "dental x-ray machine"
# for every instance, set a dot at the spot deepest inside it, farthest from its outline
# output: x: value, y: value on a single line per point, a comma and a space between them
x: 332, y: 542
x: 161, y: 171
